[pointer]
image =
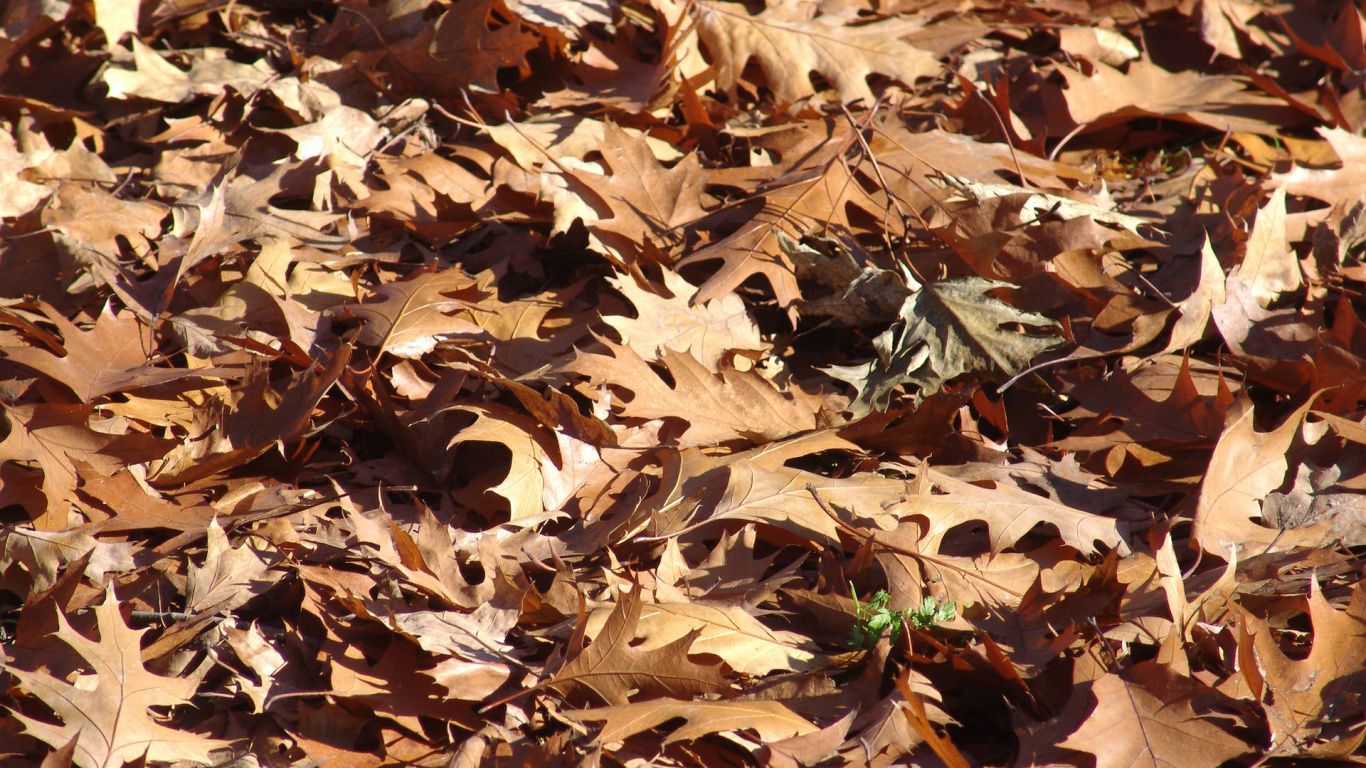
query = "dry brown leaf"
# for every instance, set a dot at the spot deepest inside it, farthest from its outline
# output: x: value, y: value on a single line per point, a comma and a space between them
x: 232, y: 436
x: 705, y: 331
x: 790, y: 47
x: 1247, y: 465
x: 727, y: 631
x: 717, y: 408
x: 769, y: 719
x: 411, y: 315
x: 1143, y: 719
x: 43, y: 553
x: 107, y: 710
x: 1336, y: 185
x: 1194, y: 317
x: 458, y: 50
x: 1305, y: 695
x: 640, y: 206
x: 55, y: 437
x: 1270, y: 267
x: 806, y: 199
x: 1009, y: 513
x: 612, y: 668
x: 1108, y: 96
x: 229, y: 576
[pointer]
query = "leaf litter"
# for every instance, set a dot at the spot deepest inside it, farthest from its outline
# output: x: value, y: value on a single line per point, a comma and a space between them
x: 487, y: 383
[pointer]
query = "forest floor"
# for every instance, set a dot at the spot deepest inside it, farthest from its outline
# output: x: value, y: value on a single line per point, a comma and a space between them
x: 682, y: 383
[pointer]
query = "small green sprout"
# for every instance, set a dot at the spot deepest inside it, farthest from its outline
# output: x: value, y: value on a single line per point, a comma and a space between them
x: 873, y: 618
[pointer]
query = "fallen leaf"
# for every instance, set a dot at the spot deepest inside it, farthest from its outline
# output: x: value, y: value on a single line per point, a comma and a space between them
x: 769, y: 719
x: 110, y: 715
x: 790, y: 47
x: 946, y: 329
x: 612, y: 668
x: 705, y: 331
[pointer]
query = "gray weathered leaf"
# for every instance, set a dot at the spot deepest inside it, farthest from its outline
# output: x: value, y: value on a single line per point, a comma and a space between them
x: 946, y: 329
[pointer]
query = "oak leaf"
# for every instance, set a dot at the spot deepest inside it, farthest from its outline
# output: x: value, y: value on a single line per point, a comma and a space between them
x: 946, y: 329
x: 813, y: 194
x: 1332, y: 185
x: 717, y: 408
x: 410, y: 316
x: 1144, y: 719
x: 1245, y: 468
x: 707, y: 331
x: 56, y: 437
x: 229, y: 576
x: 1009, y: 512
x: 612, y: 668
x: 458, y: 50
x: 110, y: 715
x: 43, y: 553
x: 727, y: 631
x: 769, y: 719
x: 1270, y: 266
x: 229, y: 436
x: 789, y: 48
x: 1194, y: 311
x: 1109, y: 96
x: 1304, y: 696
x: 111, y: 357
x: 640, y: 205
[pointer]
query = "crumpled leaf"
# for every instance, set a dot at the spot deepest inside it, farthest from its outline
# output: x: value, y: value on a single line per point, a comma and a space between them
x: 946, y: 329
x: 1304, y: 696
x: 110, y: 715
x: 1143, y: 718
x: 707, y: 331
x: 611, y: 667
x: 410, y: 316
x: 770, y: 719
x: 790, y: 48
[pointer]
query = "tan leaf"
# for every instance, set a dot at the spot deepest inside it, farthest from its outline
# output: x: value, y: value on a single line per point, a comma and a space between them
x: 469, y: 680
x: 717, y: 408
x: 231, y: 436
x: 459, y: 50
x: 228, y: 578
x: 728, y: 631
x: 1246, y: 466
x: 1304, y: 694
x: 43, y: 553
x: 1270, y: 267
x: 769, y: 719
x: 611, y: 668
x: 524, y: 485
x: 410, y: 316
x: 1144, y: 719
x: 113, y: 356
x: 1190, y: 326
x: 808, y: 197
x: 116, y: 18
x: 1109, y: 96
x: 1009, y: 512
x: 55, y: 437
x: 706, y: 331
x: 1332, y: 185
x: 110, y: 716
x: 790, y: 48
x: 254, y: 650
x: 153, y: 77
